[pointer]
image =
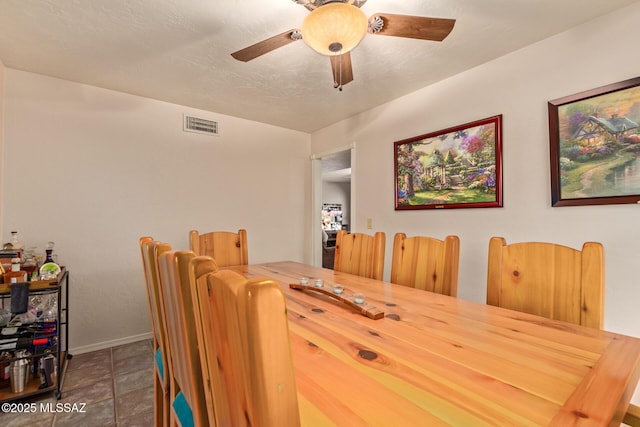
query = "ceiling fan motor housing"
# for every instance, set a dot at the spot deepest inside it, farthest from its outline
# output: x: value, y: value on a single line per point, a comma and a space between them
x: 334, y: 28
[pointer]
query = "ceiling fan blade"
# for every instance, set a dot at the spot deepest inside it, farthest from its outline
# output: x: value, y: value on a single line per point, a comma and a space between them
x: 341, y: 69
x: 414, y: 27
x: 266, y: 46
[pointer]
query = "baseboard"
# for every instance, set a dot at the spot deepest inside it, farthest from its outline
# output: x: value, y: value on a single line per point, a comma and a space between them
x: 108, y: 344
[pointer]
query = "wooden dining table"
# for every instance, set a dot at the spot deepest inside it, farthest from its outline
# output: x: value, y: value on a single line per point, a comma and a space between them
x: 435, y: 360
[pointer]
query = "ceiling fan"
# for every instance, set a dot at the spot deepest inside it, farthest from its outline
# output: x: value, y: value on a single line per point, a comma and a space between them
x: 335, y: 27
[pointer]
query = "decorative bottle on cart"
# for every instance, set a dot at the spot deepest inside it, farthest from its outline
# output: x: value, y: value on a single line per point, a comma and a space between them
x: 16, y: 275
x: 50, y: 268
x: 49, y: 252
x: 15, y: 244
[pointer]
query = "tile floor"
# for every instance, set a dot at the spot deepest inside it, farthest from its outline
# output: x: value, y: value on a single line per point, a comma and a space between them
x: 116, y: 384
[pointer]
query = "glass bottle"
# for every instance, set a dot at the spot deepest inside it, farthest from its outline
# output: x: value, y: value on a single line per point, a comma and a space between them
x: 30, y: 263
x: 15, y: 244
x: 14, y: 239
x: 49, y: 269
x: 16, y: 275
x: 49, y: 252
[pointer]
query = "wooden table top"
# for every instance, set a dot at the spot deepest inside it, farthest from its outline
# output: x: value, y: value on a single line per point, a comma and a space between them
x: 436, y: 360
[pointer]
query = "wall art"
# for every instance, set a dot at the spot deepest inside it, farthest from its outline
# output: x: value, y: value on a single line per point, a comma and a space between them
x: 595, y: 146
x: 458, y: 167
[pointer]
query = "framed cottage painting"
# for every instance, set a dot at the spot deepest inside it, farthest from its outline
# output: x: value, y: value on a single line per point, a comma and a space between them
x: 595, y: 146
x: 459, y: 167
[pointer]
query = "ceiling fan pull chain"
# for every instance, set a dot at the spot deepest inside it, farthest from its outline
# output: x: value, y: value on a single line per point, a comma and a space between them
x: 340, y: 72
x: 338, y: 84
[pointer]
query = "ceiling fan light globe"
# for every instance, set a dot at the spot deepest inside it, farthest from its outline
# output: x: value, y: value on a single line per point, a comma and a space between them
x: 333, y: 25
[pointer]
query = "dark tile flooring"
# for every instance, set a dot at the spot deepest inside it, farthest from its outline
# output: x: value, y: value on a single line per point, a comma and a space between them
x: 116, y: 384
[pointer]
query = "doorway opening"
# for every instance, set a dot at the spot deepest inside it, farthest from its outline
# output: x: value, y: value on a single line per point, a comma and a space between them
x: 332, y: 201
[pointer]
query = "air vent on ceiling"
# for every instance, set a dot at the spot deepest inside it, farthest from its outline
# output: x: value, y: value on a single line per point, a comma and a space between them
x: 199, y: 125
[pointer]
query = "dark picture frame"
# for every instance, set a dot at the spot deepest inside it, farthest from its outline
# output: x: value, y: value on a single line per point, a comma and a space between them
x: 594, y: 139
x: 458, y: 167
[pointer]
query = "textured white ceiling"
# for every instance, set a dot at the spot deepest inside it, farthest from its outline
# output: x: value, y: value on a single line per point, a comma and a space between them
x: 179, y: 50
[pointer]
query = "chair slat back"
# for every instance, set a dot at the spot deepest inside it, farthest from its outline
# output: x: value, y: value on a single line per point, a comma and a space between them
x: 548, y: 280
x: 208, y: 328
x: 360, y: 254
x: 225, y: 247
x: 150, y: 251
x: 252, y: 342
x: 426, y: 263
x: 174, y: 269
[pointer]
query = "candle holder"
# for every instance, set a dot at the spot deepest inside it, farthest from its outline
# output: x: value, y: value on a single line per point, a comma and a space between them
x: 350, y: 301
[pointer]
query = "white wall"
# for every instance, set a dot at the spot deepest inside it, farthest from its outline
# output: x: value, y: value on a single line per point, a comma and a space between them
x: 518, y: 86
x: 93, y: 170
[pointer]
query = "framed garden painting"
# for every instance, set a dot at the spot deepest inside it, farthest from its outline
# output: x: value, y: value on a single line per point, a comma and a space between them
x: 595, y: 146
x: 459, y: 167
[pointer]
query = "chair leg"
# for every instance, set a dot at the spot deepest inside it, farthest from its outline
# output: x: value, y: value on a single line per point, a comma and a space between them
x: 632, y: 417
x: 170, y: 420
x: 162, y: 415
x: 159, y: 419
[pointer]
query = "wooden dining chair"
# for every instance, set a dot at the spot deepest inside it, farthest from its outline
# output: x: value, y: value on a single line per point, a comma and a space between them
x: 546, y: 279
x: 426, y: 263
x: 553, y: 281
x: 218, y: 398
x: 250, y: 336
x: 632, y: 417
x: 225, y: 247
x: 188, y: 400
x: 162, y: 371
x: 360, y: 254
